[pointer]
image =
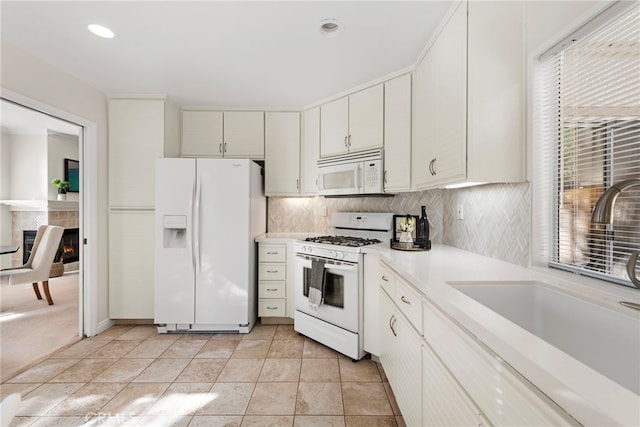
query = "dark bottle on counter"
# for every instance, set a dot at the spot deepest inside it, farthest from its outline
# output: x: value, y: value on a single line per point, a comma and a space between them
x: 422, y: 230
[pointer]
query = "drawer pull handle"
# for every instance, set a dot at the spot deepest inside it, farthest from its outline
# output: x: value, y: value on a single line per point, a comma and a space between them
x: 404, y: 300
x: 272, y: 271
x: 272, y: 308
x: 272, y: 289
x: 391, y: 323
x: 385, y: 278
x: 273, y: 253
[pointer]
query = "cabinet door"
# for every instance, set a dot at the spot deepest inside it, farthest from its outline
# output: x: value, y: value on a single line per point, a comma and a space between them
x: 407, y: 386
x: 444, y: 403
x: 451, y: 112
x: 282, y: 154
x: 424, y: 124
x: 387, y: 336
x: 334, y: 127
x: 202, y: 133
x: 397, y: 134
x: 366, y: 119
x: 310, y: 149
x: 136, y: 140
x: 440, y: 108
x: 496, y: 121
x: 244, y: 134
x: 131, y: 268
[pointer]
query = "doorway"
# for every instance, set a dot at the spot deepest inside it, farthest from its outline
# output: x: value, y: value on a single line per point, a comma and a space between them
x: 35, y: 149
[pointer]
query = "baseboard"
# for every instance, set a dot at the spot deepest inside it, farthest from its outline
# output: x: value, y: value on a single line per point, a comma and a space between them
x: 104, y: 325
x: 276, y: 321
x: 134, y: 321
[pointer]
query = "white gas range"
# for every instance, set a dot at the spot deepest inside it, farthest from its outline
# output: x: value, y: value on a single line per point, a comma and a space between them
x: 338, y: 321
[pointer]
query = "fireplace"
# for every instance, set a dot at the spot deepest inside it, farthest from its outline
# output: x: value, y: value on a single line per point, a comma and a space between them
x: 70, y: 241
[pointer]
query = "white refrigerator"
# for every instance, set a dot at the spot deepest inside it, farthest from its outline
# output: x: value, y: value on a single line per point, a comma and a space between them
x: 208, y: 213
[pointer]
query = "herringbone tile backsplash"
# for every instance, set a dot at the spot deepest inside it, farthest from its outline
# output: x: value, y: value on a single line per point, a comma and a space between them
x: 496, y: 217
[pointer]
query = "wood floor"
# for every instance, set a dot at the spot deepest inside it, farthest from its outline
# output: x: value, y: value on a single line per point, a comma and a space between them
x: 30, y: 329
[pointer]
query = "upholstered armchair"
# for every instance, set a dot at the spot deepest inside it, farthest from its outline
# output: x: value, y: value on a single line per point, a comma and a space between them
x: 38, y: 266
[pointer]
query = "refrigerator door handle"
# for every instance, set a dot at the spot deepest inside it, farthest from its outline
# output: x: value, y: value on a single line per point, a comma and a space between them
x: 196, y: 227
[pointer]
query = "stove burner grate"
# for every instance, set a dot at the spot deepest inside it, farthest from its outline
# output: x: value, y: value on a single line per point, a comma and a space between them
x: 343, y: 240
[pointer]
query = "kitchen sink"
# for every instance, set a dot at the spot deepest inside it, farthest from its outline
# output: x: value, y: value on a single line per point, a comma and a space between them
x: 603, y: 339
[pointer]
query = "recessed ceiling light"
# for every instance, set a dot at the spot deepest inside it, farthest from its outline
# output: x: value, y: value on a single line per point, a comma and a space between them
x: 330, y: 27
x: 101, y: 31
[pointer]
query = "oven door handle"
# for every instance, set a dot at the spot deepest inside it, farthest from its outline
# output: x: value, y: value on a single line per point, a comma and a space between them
x: 327, y: 266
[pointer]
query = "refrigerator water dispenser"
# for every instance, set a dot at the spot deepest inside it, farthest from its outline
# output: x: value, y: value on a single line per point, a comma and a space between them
x: 175, y: 231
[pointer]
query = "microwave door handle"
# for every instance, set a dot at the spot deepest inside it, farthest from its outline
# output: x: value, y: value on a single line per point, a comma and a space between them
x: 356, y: 177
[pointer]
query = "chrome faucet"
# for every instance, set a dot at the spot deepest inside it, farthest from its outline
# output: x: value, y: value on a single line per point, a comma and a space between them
x: 603, y: 214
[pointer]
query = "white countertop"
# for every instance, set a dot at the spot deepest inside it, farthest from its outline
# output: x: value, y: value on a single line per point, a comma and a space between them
x: 586, y: 394
x: 281, y: 238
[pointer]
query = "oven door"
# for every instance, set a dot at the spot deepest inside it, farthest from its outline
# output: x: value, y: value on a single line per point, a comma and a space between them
x: 341, y: 294
x: 336, y: 179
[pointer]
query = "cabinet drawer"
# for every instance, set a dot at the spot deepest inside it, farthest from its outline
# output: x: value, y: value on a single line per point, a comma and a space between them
x: 410, y: 303
x: 272, y: 253
x: 387, y: 280
x: 271, y: 308
x: 271, y: 271
x: 271, y: 290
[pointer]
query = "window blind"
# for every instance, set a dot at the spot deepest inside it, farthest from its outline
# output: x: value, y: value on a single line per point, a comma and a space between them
x: 593, y: 117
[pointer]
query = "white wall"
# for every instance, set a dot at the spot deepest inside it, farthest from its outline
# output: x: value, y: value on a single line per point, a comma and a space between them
x: 5, y: 213
x: 547, y: 22
x: 29, y: 77
x: 60, y: 147
x: 28, y: 167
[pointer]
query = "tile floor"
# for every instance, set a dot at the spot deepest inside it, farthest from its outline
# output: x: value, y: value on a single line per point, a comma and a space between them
x: 130, y: 375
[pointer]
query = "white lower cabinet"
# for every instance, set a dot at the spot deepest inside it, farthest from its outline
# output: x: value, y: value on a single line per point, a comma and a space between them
x: 401, y: 356
x: 131, y: 270
x: 441, y: 375
x: 502, y: 394
x: 272, y: 280
x: 444, y: 403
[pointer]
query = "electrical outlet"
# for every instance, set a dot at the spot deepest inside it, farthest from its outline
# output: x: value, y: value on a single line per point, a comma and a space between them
x: 323, y: 212
x: 460, y: 213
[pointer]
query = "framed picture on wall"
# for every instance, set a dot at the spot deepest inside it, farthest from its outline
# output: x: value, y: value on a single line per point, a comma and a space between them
x: 72, y: 174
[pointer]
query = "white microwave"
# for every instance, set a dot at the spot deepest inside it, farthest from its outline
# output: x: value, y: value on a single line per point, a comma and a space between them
x: 359, y: 173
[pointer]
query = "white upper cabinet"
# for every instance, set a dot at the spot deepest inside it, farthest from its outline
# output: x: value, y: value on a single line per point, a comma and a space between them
x: 366, y: 119
x: 310, y: 148
x: 334, y: 127
x: 233, y: 134
x: 244, y: 134
x: 468, y: 99
x: 440, y: 108
x: 282, y: 156
x: 140, y: 131
x: 202, y: 133
x: 353, y: 123
x: 397, y: 134
x: 496, y: 87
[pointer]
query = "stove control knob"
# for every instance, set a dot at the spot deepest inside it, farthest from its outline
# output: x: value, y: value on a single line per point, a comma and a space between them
x: 340, y: 255
x: 334, y: 254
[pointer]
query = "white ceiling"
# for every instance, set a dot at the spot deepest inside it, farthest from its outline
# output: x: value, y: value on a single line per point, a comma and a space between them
x: 260, y: 54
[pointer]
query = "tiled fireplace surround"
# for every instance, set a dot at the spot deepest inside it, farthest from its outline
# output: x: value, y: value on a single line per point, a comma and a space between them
x: 496, y: 222
x: 31, y: 220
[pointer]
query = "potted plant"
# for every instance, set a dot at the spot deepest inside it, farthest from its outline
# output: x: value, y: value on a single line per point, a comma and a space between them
x: 57, y: 268
x: 63, y: 186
